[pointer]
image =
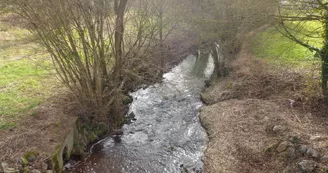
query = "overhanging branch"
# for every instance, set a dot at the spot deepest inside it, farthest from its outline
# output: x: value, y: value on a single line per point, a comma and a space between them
x: 292, y: 37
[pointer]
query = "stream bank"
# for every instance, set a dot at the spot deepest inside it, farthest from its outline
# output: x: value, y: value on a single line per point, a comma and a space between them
x: 260, y: 121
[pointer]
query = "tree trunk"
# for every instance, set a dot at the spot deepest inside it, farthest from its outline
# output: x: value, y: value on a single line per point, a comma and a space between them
x: 119, y: 6
x: 161, y: 37
x: 324, y: 72
x: 324, y: 57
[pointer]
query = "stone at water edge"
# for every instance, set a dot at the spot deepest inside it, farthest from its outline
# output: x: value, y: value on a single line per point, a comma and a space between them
x: 307, y: 166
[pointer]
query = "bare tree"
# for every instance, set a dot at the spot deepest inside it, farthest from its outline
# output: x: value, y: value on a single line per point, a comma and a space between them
x: 85, y: 43
x: 95, y: 56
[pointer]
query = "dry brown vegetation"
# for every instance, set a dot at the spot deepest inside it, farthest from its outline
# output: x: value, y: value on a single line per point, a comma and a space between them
x: 244, y: 108
x: 40, y: 133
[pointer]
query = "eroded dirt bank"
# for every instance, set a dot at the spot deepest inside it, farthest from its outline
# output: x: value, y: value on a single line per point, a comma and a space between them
x: 259, y: 120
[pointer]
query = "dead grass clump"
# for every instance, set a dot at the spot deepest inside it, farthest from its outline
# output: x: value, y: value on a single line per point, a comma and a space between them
x: 258, y: 80
x: 255, y: 79
x: 237, y: 132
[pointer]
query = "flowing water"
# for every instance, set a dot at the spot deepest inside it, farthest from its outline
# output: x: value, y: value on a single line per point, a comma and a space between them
x: 166, y: 136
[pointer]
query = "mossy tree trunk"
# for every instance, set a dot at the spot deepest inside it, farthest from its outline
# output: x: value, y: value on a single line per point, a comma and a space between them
x: 324, y: 58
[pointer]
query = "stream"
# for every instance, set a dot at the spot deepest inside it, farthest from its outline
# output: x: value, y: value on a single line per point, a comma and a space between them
x: 166, y: 135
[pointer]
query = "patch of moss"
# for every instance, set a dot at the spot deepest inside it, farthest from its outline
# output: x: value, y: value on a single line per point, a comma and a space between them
x: 271, y: 148
x: 24, y: 161
x: 55, y: 162
x: 229, y: 85
x: 6, y: 126
x: 127, y: 100
x: 295, y: 139
x: 30, y: 156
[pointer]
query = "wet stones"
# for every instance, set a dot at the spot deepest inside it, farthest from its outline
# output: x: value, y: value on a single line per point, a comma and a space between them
x: 307, y: 166
x: 130, y: 118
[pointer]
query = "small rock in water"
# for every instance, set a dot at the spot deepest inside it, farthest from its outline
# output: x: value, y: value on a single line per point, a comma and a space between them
x: 132, y: 115
x: 117, y: 139
x: 307, y: 166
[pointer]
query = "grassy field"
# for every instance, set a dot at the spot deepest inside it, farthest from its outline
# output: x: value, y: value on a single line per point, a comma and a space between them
x: 272, y: 46
x: 26, y: 77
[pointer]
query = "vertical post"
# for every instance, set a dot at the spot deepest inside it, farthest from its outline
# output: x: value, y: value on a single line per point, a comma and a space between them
x: 161, y: 37
x: 324, y: 58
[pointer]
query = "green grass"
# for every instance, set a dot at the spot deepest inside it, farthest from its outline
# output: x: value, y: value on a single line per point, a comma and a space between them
x: 26, y: 78
x: 272, y: 46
